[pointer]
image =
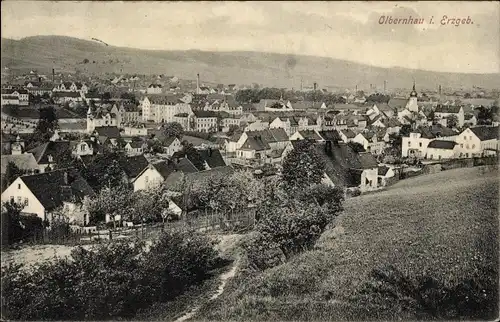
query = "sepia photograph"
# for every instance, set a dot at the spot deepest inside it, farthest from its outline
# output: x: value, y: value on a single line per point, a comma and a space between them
x: 250, y: 161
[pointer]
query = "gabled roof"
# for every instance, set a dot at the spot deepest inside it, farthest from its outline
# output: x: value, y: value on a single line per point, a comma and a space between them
x: 447, y: 109
x: 343, y: 164
x: 485, y: 132
x: 168, y: 141
x: 382, y: 170
x: 310, y: 135
x: 164, y: 99
x: 111, y: 132
x: 52, y: 148
x: 66, y: 94
x: 348, y: 133
x: 332, y: 135
x: 24, y: 161
x: 255, y: 143
x: 212, y: 157
x: 133, y: 165
x: 47, y: 187
x: 185, y: 166
x: 441, y: 144
x: 165, y: 168
x: 204, y: 114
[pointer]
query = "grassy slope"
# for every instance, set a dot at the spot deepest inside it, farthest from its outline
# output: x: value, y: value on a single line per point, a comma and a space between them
x: 67, y: 54
x: 445, y: 223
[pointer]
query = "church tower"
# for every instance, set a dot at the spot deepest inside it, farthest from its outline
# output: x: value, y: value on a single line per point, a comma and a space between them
x: 412, y: 104
x: 90, y: 120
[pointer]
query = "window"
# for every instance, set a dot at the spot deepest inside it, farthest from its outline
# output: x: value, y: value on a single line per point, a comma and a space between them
x: 19, y: 200
x: 466, y: 146
x: 470, y: 137
x: 26, y: 202
x: 420, y: 144
x: 409, y: 143
x: 465, y: 138
x: 83, y: 147
x: 473, y: 146
x: 11, y: 199
x: 18, y: 186
x: 147, y: 179
x: 461, y: 145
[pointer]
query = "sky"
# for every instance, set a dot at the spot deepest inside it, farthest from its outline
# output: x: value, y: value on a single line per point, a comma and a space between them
x: 343, y: 30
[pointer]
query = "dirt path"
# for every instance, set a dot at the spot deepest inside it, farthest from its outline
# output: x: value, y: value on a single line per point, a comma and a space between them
x: 223, y: 281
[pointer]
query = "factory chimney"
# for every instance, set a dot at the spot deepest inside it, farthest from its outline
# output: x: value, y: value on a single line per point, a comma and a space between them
x: 315, y: 85
x: 197, y: 83
x: 385, y: 86
x: 53, y: 75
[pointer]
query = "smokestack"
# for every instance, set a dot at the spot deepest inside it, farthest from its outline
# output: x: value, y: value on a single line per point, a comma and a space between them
x: 301, y: 84
x: 197, y: 83
x: 439, y: 89
x: 53, y: 75
x: 356, y: 89
x: 385, y: 86
x: 315, y: 85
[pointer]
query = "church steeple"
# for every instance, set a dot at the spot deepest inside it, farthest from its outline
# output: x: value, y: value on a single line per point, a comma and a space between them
x: 413, y: 92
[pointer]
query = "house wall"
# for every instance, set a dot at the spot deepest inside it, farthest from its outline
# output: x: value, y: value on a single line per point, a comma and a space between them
x: 175, y: 146
x: 414, y: 142
x: 148, y: 179
x: 370, y: 175
x: 245, y: 154
x: 469, y: 144
x: 438, y: 154
x: 361, y: 140
x: 20, y: 192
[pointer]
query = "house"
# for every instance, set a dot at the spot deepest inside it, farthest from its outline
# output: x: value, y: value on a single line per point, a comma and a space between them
x: 385, y: 173
x: 42, y: 193
x: 441, y: 149
x: 415, y: 145
x: 179, y: 181
x: 154, y: 89
x: 67, y: 97
x: 332, y: 136
x: 83, y: 147
x: 153, y: 175
x: 212, y: 158
x: 478, y: 141
x: 205, y: 121
x: 135, y: 147
x: 25, y: 162
x: 347, y: 135
x: 172, y: 145
x: 92, y: 98
x: 346, y: 168
x: 470, y: 120
x: 48, y: 154
x: 306, y: 135
x: 442, y: 112
x: 162, y: 108
x: 72, y: 87
x: 370, y: 142
x: 132, y: 166
x: 15, y: 97
x: 256, y: 125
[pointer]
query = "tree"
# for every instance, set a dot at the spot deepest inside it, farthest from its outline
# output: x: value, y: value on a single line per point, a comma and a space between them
x: 12, y: 172
x: 451, y: 121
x: 302, y: 166
x: 46, y: 127
x: 173, y: 129
x: 104, y: 171
x: 405, y: 130
x: 189, y: 151
x: 232, y: 128
x: 85, y: 61
x: 155, y: 146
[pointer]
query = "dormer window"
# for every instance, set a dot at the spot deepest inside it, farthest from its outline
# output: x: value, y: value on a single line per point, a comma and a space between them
x: 50, y: 158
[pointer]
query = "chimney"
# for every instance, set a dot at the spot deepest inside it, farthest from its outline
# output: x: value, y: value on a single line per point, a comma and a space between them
x: 39, y: 79
x: 65, y: 177
x: 328, y: 147
x: 439, y: 89
x: 197, y: 83
x: 385, y: 86
x: 53, y: 75
x: 315, y: 85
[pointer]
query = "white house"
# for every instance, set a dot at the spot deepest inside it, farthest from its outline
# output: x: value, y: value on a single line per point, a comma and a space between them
x: 42, y: 193
x: 154, y: 89
x: 441, y: 113
x: 172, y: 145
x: 441, y: 149
x: 478, y: 141
x: 153, y: 175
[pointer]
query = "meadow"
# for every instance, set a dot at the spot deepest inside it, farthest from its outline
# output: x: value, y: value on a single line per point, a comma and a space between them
x: 441, y: 227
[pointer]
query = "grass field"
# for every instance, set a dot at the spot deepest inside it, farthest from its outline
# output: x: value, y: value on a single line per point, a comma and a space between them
x: 445, y: 225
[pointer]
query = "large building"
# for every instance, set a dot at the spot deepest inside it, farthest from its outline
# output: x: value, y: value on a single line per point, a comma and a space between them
x: 162, y: 109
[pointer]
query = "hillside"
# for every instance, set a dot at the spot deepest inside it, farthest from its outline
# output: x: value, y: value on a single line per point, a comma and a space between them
x: 67, y: 54
x: 420, y: 226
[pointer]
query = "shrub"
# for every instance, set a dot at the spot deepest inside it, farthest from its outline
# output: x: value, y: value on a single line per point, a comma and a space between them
x: 111, y: 280
x: 389, y: 290
x: 294, y: 228
x: 261, y: 253
x: 178, y: 260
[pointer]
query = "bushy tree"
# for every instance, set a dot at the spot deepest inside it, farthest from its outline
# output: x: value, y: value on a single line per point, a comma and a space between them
x: 47, y: 125
x: 232, y: 128
x: 356, y: 147
x: 12, y: 172
x: 173, y: 129
x: 302, y: 166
